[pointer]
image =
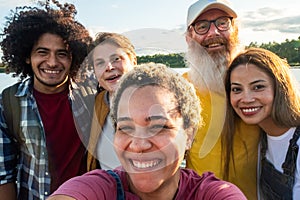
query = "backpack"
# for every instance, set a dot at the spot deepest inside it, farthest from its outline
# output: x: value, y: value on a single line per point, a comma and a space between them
x: 120, y: 190
x: 12, y: 111
x: 12, y: 108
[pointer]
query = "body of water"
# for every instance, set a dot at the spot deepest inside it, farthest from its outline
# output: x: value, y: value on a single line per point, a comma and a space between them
x: 7, y: 80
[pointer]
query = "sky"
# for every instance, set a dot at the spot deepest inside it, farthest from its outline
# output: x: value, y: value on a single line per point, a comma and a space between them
x: 261, y: 21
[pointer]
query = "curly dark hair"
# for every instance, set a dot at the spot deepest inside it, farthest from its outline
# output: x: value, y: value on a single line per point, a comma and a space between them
x: 160, y: 75
x: 25, y: 26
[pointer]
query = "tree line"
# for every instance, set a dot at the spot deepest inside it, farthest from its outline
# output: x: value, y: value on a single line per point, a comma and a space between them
x: 289, y: 50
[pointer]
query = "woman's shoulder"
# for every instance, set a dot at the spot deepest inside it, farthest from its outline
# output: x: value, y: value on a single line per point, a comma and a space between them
x: 206, y: 186
x: 95, y: 184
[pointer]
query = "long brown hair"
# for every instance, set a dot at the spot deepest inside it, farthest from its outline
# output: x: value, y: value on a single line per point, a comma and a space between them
x: 286, y: 106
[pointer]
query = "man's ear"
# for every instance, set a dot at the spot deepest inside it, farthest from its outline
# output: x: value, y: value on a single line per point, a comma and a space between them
x: 188, y: 38
x: 190, y: 137
x: 27, y: 61
x: 188, y: 35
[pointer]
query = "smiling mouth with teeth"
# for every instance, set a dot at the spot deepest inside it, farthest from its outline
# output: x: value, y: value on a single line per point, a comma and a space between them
x: 214, y: 45
x: 214, y: 42
x: 248, y: 110
x: 145, y: 164
x: 51, y: 71
x: 113, y: 77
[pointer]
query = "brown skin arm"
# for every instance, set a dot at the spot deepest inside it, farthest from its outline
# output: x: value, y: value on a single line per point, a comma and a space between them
x: 61, y: 197
x: 8, y: 191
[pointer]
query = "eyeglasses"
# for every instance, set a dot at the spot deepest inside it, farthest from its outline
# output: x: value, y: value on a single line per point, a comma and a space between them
x: 201, y: 27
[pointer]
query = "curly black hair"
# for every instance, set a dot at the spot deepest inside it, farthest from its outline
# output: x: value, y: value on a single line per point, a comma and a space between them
x: 25, y: 26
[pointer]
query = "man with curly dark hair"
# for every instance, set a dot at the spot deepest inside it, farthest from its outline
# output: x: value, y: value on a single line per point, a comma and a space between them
x: 44, y: 46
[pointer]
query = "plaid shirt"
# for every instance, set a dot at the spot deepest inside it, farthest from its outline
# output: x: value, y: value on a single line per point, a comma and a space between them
x: 31, y: 172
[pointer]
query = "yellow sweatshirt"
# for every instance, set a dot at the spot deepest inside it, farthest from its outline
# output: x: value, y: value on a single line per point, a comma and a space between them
x: 205, y: 154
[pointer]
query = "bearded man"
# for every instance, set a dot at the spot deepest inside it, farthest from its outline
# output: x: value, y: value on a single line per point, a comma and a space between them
x: 212, y: 38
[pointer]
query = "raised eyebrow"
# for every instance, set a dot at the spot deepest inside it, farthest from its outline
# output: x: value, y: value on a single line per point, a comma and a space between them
x: 98, y: 60
x: 251, y: 83
x: 150, y: 118
x: 235, y: 84
x: 257, y: 81
x: 156, y: 117
x: 206, y: 20
x: 121, y: 119
x: 202, y: 20
x: 62, y: 50
x: 46, y: 49
x: 42, y: 48
x: 115, y: 55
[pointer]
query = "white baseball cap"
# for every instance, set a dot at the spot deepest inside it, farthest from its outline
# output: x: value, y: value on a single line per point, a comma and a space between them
x: 201, y: 6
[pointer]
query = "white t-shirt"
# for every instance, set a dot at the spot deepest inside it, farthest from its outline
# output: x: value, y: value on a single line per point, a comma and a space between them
x: 276, y: 153
x: 105, y: 148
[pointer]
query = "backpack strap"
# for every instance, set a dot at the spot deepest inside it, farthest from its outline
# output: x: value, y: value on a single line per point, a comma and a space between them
x: 12, y: 110
x: 120, y: 191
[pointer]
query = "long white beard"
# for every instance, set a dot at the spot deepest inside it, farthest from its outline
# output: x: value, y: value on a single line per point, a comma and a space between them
x: 206, y: 71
